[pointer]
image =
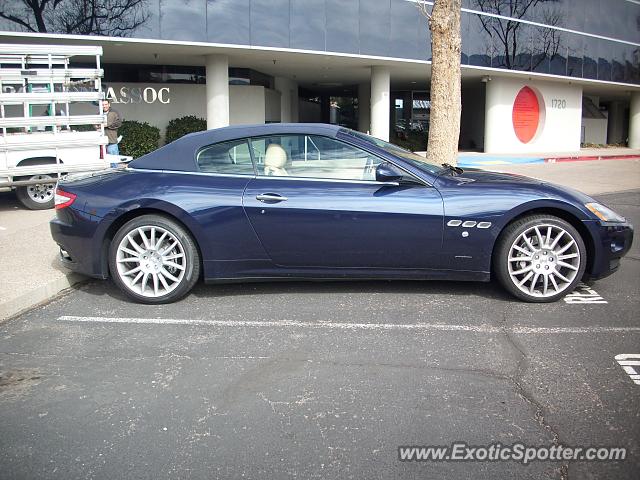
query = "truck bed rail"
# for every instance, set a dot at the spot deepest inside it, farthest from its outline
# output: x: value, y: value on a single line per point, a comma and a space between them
x: 46, y: 121
x: 48, y: 97
x: 45, y: 50
x: 46, y: 75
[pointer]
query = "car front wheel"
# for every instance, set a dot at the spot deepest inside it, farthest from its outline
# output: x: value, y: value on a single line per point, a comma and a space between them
x: 540, y: 258
x: 154, y: 260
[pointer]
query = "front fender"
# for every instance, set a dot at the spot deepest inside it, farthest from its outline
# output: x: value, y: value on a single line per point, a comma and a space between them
x: 546, y: 204
x: 472, y: 248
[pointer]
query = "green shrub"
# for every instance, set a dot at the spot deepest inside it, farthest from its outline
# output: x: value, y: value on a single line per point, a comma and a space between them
x: 138, y: 138
x: 179, y: 127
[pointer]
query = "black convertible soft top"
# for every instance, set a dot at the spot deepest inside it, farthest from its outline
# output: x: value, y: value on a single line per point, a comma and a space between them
x: 180, y: 155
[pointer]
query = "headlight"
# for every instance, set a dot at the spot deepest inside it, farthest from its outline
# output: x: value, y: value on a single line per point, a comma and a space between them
x: 604, y: 213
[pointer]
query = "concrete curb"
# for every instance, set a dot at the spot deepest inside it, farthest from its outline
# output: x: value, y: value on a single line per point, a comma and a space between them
x: 587, y: 158
x: 40, y: 294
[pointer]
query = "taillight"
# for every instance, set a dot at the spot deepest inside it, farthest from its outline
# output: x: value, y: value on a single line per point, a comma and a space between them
x: 64, y: 199
x: 101, y: 152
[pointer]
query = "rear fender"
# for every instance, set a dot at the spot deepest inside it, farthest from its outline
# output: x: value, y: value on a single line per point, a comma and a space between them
x: 111, y: 222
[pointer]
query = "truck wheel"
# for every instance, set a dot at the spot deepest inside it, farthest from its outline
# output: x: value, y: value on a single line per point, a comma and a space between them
x: 40, y: 196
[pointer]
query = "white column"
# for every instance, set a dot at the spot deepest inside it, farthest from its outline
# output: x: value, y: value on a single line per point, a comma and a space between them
x: 364, y: 107
x: 217, y: 68
x: 380, y: 93
x: 634, y: 121
x: 288, y: 99
x: 492, y: 114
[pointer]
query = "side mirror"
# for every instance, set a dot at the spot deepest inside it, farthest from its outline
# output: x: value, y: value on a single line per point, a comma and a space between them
x: 386, y: 172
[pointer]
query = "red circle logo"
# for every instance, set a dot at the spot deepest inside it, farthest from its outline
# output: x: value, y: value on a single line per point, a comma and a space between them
x: 526, y: 114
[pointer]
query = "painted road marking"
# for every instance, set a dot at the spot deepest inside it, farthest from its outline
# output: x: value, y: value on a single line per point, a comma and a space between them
x: 484, y: 328
x: 628, y: 361
x: 584, y: 294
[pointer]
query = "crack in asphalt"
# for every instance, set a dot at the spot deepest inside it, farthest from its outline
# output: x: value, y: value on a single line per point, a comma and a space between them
x: 470, y: 371
x: 526, y: 395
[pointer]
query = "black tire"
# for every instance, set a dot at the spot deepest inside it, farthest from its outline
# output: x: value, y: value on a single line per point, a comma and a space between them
x: 505, y: 244
x: 36, y: 197
x: 191, y: 270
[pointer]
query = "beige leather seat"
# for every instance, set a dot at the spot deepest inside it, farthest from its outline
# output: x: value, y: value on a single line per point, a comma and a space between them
x: 275, y: 158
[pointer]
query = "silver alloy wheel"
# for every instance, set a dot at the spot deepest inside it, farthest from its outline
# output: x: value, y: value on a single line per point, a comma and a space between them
x: 151, y: 261
x: 544, y: 260
x: 41, y: 192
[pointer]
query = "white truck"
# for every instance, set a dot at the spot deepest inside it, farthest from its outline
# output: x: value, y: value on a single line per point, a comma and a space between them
x: 51, y: 120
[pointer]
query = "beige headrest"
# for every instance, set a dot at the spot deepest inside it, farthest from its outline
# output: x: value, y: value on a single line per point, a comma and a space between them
x: 275, y: 156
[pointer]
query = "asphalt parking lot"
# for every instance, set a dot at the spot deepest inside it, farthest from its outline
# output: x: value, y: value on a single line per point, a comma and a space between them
x: 320, y: 380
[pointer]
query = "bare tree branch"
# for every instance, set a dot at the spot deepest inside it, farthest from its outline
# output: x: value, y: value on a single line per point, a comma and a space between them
x: 118, y: 18
x: 422, y: 8
x: 509, y: 36
x: 17, y: 20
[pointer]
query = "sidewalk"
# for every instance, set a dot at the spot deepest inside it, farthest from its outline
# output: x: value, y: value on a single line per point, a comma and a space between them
x: 482, y: 160
x: 593, y: 178
x: 33, y: 275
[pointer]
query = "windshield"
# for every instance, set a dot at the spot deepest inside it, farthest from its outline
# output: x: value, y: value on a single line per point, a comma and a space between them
x: 414, y: 159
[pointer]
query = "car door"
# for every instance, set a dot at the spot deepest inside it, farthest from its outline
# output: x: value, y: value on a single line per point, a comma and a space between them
x: 315, y: 203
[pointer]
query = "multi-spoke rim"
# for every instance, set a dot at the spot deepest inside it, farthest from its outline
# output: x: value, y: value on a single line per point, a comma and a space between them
x: 41, y: 192
x: 151, y: 261
x: 544, y: 260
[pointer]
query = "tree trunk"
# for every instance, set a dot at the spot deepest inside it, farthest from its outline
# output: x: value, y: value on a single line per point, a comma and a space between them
x: 444, y: 128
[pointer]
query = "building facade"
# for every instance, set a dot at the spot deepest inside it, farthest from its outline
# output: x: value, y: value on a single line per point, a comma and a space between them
x: 537, y: 75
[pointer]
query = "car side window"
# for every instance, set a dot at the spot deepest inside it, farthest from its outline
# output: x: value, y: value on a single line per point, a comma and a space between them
x: 232, y: 158
x: 312, y: 156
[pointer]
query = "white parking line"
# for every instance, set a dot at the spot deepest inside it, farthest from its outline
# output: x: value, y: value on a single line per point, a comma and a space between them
x: 484, y: 328
x: 630, y: 362
x: 584, y: 294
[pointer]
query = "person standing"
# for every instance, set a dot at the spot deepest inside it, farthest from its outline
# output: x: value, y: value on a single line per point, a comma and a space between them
x: 114, y: 121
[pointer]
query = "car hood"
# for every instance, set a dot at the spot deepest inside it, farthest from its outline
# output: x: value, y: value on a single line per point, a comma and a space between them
x: 484, y: 176
x: 516, y: 183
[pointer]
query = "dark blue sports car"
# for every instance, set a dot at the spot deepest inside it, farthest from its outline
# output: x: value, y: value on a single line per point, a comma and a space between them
x: 312, y: 201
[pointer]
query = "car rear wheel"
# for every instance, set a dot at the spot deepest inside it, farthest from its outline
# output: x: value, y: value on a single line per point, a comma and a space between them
x: 154, y: 260
x: 540, y: 258
x: 40, y: 196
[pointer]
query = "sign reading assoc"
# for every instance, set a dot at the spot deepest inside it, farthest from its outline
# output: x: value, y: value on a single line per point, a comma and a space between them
x: 133, y: 95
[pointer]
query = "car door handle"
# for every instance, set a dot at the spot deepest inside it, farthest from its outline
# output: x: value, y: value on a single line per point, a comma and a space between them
x: 271, y: 198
